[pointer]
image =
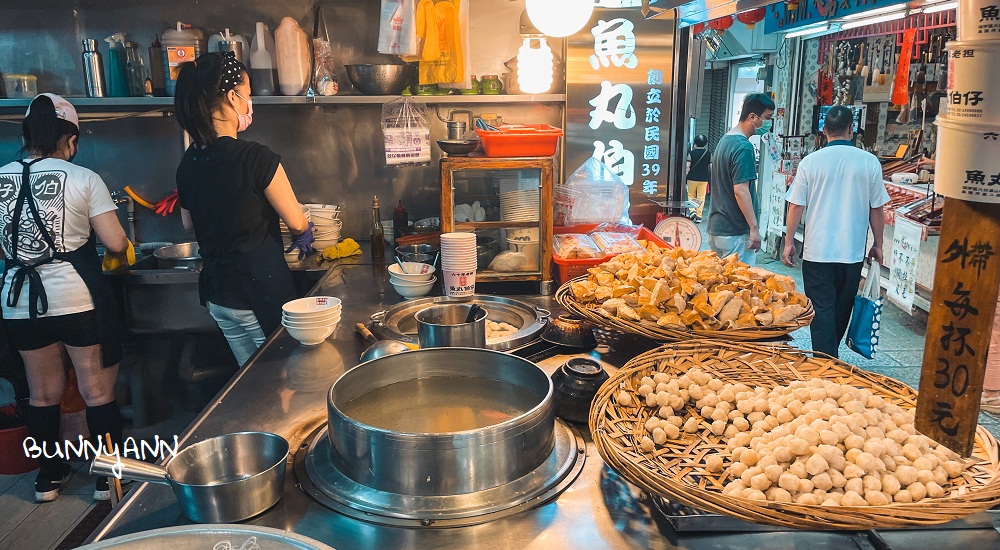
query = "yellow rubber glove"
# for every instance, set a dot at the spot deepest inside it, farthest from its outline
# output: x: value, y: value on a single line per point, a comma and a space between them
x: 346, y: 247
x: 117, y: 262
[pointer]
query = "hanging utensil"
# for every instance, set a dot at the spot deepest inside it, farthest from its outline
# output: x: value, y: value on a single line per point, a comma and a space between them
x: 865, y: 65
x: 859, y: 69
x: 886, y: 62
x: 473, y: 312
x: 877, y: 64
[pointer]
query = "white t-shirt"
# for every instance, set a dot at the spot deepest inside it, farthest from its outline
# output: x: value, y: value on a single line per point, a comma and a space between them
x: 838, y: 184
x: 67, y: 196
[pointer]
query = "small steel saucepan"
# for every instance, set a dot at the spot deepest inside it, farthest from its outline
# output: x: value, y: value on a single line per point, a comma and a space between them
x: 223, y: 479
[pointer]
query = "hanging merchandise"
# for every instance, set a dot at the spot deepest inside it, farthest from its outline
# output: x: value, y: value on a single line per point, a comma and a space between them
x: 463, y: 45
x: 292, y: 52
x: 438, y: 27
x: 721, y: 24
x: 180, y: 45
x: 901, y: 86
x: 117, y: 79
x: 324, y: 72
x: 263, y: 66
x: 751, y: 17
x: 397, y: 28
x: 407, y: 133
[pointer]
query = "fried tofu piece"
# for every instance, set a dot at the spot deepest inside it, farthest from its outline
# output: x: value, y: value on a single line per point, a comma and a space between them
x: 786, y: 283
x: 671, y: 320
x: 660, y: 293
x: 701, y: 305
x: 797, y: 298
x: 604, y: 278
x: 603, y: 293
x: 626, y: 312
x: 765, y: 319
x: 583, y: 290
x: 745, y: 320
x: 731, y: 311
x: 788, y: 313
x: 689, y: 316
x: 678, y: 302
x: 611, y: 306
x: 719, y: 299
x: 650, y: 313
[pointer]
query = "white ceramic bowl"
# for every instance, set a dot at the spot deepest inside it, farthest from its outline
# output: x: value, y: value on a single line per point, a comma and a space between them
x: 311, y: 304
x: 413, y: 290
x: 311, y: 336
x: 327, y: 315
x: 416, y: 272
x: 310, y: 325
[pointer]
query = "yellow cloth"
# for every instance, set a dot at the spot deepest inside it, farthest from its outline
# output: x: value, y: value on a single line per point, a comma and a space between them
x: 346, y: 247
x: 441, y: 57
x: 116, y: 262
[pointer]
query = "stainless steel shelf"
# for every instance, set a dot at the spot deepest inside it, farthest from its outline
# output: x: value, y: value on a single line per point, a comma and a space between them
x: 160, y: 102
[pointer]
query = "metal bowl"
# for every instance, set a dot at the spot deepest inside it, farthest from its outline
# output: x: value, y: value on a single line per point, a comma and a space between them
x: 179, y: 255
x: 441, y: 421
x: 423, y: 253
x: 458, y: 147
x: 371, y: 79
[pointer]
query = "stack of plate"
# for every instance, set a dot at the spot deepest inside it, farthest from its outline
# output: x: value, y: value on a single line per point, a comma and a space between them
x: 311, y: 320
x: 286, y: 236
x: 458, y: 264
x: 326, y: 225
x: 519, y: 201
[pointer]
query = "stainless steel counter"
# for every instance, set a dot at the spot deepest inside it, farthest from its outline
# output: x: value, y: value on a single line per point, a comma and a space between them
x: 283, y: 390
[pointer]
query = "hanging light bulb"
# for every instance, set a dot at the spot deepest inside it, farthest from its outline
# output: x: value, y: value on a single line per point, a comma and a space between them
x: 534, y: 67
x: 559, y: 18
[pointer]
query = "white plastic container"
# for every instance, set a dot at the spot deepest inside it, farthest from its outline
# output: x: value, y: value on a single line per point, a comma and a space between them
x: 263, y: 66
x: 972, y: 75
x: 968, y: 159
x: 180, y: 45
x: 971, y: 23
x: 293, y: 56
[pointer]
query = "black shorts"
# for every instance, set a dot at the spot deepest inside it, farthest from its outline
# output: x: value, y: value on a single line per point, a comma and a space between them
x: 78, y: 330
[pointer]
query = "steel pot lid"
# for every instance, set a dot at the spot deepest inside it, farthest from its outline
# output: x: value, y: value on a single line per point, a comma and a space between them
x: 398, y: 322
x: 199, y: 537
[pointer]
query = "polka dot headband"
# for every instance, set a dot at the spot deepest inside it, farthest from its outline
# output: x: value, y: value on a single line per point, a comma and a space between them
x: 231, y: 70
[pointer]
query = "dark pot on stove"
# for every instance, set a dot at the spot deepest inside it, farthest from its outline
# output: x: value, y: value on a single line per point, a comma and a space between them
x: 575, y: 384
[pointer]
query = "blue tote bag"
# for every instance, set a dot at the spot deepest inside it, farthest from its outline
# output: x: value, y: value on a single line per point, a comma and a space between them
x: 862, y: 333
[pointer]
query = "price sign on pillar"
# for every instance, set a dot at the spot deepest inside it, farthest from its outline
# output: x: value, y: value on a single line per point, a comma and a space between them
x: 959, y: 326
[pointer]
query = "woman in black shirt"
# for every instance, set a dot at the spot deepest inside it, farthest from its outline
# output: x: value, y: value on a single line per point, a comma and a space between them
x: 697, y: 177
x: 232, y: 193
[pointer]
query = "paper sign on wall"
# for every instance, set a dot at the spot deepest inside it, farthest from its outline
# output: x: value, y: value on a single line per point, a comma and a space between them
x: 903, y: 263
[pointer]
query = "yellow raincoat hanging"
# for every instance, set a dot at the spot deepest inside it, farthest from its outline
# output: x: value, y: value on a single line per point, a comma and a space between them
x: 441, y: 58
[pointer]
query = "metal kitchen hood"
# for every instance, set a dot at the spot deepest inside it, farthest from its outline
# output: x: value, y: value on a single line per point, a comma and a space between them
x: 689, y: 12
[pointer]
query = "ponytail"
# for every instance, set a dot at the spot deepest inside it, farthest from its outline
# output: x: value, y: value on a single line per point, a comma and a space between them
x: 199, y: 94
x: 43, y: 129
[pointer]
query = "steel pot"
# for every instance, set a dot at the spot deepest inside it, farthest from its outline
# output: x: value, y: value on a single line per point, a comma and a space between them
x: 186, y: 255
x: 394, y: 457
x: 224, y: 479
x: 444, y: 326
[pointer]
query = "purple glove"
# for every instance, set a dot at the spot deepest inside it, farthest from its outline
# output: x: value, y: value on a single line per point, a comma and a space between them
x: 303, y: 242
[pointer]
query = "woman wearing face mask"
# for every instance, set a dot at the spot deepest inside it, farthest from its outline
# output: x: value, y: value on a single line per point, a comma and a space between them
x: 232, y: 193
x: 55, y: 299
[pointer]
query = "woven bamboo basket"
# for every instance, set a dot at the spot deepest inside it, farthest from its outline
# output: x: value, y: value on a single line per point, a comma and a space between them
x: 676, y: 471
x: 592, y: 312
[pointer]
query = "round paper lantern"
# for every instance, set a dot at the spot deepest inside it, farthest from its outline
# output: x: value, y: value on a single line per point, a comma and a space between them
x: 699, y: 28
x: 721, y: 24
x: 751, y: 17
x: 559, y: 17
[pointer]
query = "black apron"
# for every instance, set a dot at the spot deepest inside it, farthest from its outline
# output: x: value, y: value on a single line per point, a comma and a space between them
x: 261, y: 275
x: 84, y: 260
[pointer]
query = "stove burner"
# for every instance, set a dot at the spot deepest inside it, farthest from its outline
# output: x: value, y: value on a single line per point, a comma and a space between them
x: 321, y: 480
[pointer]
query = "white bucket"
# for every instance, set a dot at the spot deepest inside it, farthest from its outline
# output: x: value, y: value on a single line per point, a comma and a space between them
x: 459, y: 283
x: 972, y: 72
x: 529, y: 249
x: 976, y: 20
x: 968, y: 160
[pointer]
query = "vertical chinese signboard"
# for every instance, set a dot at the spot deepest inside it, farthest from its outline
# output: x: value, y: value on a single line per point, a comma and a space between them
x: 619, y: 98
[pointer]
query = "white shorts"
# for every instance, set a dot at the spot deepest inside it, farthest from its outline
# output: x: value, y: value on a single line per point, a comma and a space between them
x: 737, y: 244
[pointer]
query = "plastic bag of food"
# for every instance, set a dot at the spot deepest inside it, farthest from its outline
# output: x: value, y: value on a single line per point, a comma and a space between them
x: 570, y: 246
x: 509, y: 260
x: 617, y: 227
x: 617, y: 243
x: 591, y: 194
x: 407, y: 133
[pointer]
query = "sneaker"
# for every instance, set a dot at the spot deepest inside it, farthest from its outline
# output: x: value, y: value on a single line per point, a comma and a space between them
x: 697, y: 219
x: 102, y: 489
x: 47, y: 490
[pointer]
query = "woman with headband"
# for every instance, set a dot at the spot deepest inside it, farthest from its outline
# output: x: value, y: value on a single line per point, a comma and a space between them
x: 232, y: 193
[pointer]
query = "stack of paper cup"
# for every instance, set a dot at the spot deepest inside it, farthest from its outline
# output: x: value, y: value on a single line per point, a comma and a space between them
x: 969, y: 129
x: 458, y: 264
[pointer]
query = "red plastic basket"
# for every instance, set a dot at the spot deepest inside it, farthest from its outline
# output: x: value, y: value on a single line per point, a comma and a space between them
x: 12, y: 458
x: 522, y: 140
x: 571, y: 268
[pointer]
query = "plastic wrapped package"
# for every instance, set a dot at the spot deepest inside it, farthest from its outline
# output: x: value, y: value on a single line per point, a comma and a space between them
x: 591, y: 194
x: 509, y: 261
x: 617, y: 227
x: 571, y: 246
x: 407, y: 133
x: 617, y: 243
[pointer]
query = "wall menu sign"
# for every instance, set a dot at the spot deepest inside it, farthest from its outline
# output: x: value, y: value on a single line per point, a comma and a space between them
x: 619, y: 97
x: 809, y: 12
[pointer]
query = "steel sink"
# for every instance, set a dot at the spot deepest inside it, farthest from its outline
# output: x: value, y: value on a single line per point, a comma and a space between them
x: 163, y: 300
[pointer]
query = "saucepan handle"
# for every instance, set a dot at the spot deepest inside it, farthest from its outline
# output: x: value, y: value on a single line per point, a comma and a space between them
x: 128, y: 468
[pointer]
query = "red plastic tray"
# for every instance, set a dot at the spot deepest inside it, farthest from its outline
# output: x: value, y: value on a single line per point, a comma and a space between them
x: 521, y: 140
x: 572, y: 268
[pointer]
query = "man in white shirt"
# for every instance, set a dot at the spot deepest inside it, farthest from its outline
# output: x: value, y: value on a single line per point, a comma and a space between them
x: 839, y: 192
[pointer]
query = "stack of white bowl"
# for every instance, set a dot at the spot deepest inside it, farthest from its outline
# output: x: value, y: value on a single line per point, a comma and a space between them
x: 311, y: 320
x: 966, y: 139
x: 286, y: 236
x: 416, y: 281
x: 519, y: 201
x: 458, y: 264
x: 326, y: 225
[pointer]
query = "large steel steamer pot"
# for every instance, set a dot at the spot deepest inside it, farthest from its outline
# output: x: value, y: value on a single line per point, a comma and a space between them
x: 442, y: 463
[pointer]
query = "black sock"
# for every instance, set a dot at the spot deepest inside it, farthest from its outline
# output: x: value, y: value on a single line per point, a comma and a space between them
x: 43, y: 425
x: 105, y: 419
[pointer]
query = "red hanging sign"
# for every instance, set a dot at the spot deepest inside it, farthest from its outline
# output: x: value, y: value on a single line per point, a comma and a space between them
x: 901, y: 86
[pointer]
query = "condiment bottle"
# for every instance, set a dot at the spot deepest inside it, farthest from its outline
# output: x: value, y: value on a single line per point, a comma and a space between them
x: 117, y: 79
x: 93, y: 69
x: 377, y: 233
x: 294, y: 62
x: 400, y: 220
x: 491, y: 85
x: 263, y: 67
x: 475, y: 89
x: 156, y: 67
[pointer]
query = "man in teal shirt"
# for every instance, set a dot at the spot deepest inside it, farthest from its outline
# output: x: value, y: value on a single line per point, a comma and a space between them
x: 732, y: 222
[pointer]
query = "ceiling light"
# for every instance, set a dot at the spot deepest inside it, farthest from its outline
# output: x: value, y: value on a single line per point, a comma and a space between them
x: 559, y: 17
x: 826, y: 28
x: 941, y: 7
x: 879, y: 11
x: 872, y: 20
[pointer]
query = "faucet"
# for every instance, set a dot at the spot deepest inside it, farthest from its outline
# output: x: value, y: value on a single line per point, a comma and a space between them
x: 119, y: 199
